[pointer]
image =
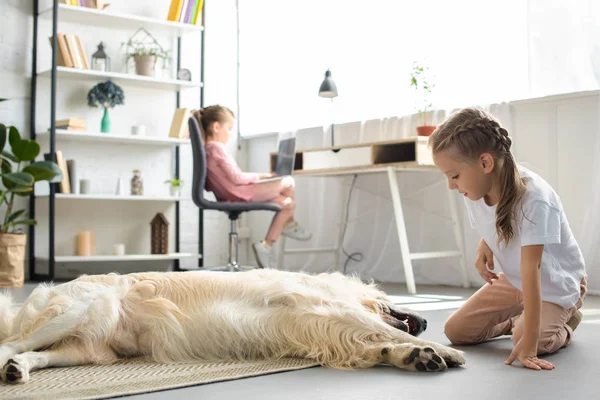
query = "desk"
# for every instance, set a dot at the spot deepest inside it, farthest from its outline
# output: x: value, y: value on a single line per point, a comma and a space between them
x: 421, y: 162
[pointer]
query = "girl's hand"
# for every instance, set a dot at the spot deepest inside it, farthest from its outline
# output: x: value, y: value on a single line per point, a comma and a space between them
x: 267, y: 175
x: 484, y: 262
x: 527, y: 354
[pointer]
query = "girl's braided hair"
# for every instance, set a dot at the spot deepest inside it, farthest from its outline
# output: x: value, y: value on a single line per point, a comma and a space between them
x: 471, y: 132
x: 208, y: 115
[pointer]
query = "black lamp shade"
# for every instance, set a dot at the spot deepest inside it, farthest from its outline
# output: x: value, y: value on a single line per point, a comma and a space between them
x: 328, y: 88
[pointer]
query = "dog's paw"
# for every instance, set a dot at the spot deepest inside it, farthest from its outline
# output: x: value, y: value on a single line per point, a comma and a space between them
x: 13, y: 372
x: 424, y: 359
x: 452, y: 357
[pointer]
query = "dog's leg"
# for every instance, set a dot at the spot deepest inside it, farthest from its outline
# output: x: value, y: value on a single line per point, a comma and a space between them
x: 90, y: 320
x: 354, y: 338
x: 17, y: 368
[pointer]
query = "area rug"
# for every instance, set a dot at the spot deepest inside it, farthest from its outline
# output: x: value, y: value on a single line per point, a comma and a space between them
x: 137, y: 376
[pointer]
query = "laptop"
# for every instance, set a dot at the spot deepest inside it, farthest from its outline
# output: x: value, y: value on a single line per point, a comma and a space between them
x: 286, y: 156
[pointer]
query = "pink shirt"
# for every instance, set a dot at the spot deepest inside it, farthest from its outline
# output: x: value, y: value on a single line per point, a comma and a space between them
x: 224, y: 178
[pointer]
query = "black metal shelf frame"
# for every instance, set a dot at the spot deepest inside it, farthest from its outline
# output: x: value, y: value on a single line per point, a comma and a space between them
x: 33, y: 275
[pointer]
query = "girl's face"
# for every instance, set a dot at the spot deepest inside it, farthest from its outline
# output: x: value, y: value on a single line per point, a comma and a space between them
x: 473, y: 180
x: 222, y: 131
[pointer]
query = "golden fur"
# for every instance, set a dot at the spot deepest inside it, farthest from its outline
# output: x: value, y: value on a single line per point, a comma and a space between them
x: 180, y: 316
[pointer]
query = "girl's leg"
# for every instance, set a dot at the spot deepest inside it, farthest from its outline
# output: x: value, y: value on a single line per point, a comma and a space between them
x: 282, y: 193
x: 555, y: 331
x: 280, y: 219
x: 487, y: 314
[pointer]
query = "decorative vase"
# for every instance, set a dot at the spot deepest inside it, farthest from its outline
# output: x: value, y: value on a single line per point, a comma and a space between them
x: 105, y: 127
x: 144, y: 65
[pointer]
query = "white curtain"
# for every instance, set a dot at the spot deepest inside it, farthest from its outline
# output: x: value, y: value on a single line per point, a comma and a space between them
x: 590, y: 238
x: 564, y: 46
x: 564, y: 56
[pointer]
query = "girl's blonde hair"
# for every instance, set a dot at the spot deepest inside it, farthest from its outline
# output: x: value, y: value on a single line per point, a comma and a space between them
x: 471, y: 132
x: 207, y: 116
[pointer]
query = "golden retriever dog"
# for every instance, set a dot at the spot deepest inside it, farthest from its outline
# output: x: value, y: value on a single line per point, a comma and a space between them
x: 218, y: 316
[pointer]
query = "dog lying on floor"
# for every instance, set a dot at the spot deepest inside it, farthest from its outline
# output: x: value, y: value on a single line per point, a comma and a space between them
x: 179, y: 316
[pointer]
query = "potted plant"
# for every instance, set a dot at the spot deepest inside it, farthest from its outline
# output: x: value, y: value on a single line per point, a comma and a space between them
x: 420, y: 79
x: 175, y: 185
x: 106, y: 95
x: 145, y: 50
x: 19, y: 173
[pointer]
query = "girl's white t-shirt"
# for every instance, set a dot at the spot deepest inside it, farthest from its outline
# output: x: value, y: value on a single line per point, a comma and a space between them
x: 541, y: 221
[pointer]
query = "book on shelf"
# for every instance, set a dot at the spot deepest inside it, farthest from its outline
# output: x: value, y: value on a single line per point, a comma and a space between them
x: 72, y: 171
x: 179, y: 125
x: 70, y: 52
x: 64, y: 186
x: 185, y: 11
x: 71, y: 124
x: 98, y: 4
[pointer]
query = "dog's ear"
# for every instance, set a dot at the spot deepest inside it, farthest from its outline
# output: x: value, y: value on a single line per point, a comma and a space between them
x: 370, y: 305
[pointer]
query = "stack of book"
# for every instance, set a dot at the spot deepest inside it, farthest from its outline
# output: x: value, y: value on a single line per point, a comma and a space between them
x: 185, y: 11
x: 70, y: 51
x: 98, y: 4
x: 71, y: 124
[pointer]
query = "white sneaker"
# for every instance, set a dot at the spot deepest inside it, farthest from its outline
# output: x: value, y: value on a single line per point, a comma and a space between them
x: 295, y: 231
x: 263, y: 254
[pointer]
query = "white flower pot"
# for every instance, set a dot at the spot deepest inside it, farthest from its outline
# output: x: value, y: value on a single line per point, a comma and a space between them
x: 175, y: 191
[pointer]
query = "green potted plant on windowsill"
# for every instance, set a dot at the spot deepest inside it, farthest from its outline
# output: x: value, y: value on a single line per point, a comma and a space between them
x: 176, y: 185
x: 421, y: 80
x: 19, y: 173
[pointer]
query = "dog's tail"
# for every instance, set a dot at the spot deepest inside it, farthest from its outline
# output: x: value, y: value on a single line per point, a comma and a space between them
x: 7, y: 314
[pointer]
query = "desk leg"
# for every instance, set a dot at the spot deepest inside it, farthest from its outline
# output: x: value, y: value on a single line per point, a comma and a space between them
x: 281, y: 255
x: 460, y: 239
x: 406, y: 261
x: 342, y: 226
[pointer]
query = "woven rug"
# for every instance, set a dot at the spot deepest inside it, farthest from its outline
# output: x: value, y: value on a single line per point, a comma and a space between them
x: 137, y: 376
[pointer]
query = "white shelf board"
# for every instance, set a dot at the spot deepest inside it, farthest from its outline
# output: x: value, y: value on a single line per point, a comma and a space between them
x: 107, y: 18
x: 62, y: 134
x: 67, y: 196
x: 127, y: 257
x: 125, y: 79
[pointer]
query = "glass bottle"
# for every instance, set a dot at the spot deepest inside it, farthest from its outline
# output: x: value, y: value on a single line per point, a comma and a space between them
x: 137, y: 183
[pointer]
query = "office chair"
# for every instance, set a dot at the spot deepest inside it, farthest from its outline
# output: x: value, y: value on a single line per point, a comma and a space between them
x: 232, y: 208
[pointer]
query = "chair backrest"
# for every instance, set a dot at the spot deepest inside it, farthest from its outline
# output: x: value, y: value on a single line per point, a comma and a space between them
x: 199, y: 161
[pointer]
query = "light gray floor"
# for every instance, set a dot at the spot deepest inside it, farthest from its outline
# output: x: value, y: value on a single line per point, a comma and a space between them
x: 483, y: 377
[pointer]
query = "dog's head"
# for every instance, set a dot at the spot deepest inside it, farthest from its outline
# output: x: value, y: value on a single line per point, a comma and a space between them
x: 405, y: 320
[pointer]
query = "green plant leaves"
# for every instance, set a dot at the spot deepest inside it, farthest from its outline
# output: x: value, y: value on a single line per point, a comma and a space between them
x: 6, y: 167
x: 2, y: 136
x: 28, y: 221
x: 26, y: 150
x: 18, y: 182
x: 13, y: 136
x: 14, y: 216
x: 44, y: 171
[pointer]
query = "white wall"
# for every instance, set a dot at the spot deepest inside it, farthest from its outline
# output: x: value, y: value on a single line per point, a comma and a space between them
x: 114, y: 222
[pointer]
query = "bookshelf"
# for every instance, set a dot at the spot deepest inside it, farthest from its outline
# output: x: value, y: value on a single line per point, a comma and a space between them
x: 81, y: 16
x: 128, y: 257
x: 119, y: 78
x: 69, y: 196
x: 66, y: 135
x: 102, y: 18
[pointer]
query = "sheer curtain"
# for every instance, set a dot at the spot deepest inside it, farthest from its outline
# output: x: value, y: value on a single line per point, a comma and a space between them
x: 564, y: 56
x: 476, y: 52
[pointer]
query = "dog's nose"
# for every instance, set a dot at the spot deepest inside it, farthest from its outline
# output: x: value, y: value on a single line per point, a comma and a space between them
x: 424, y: 324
